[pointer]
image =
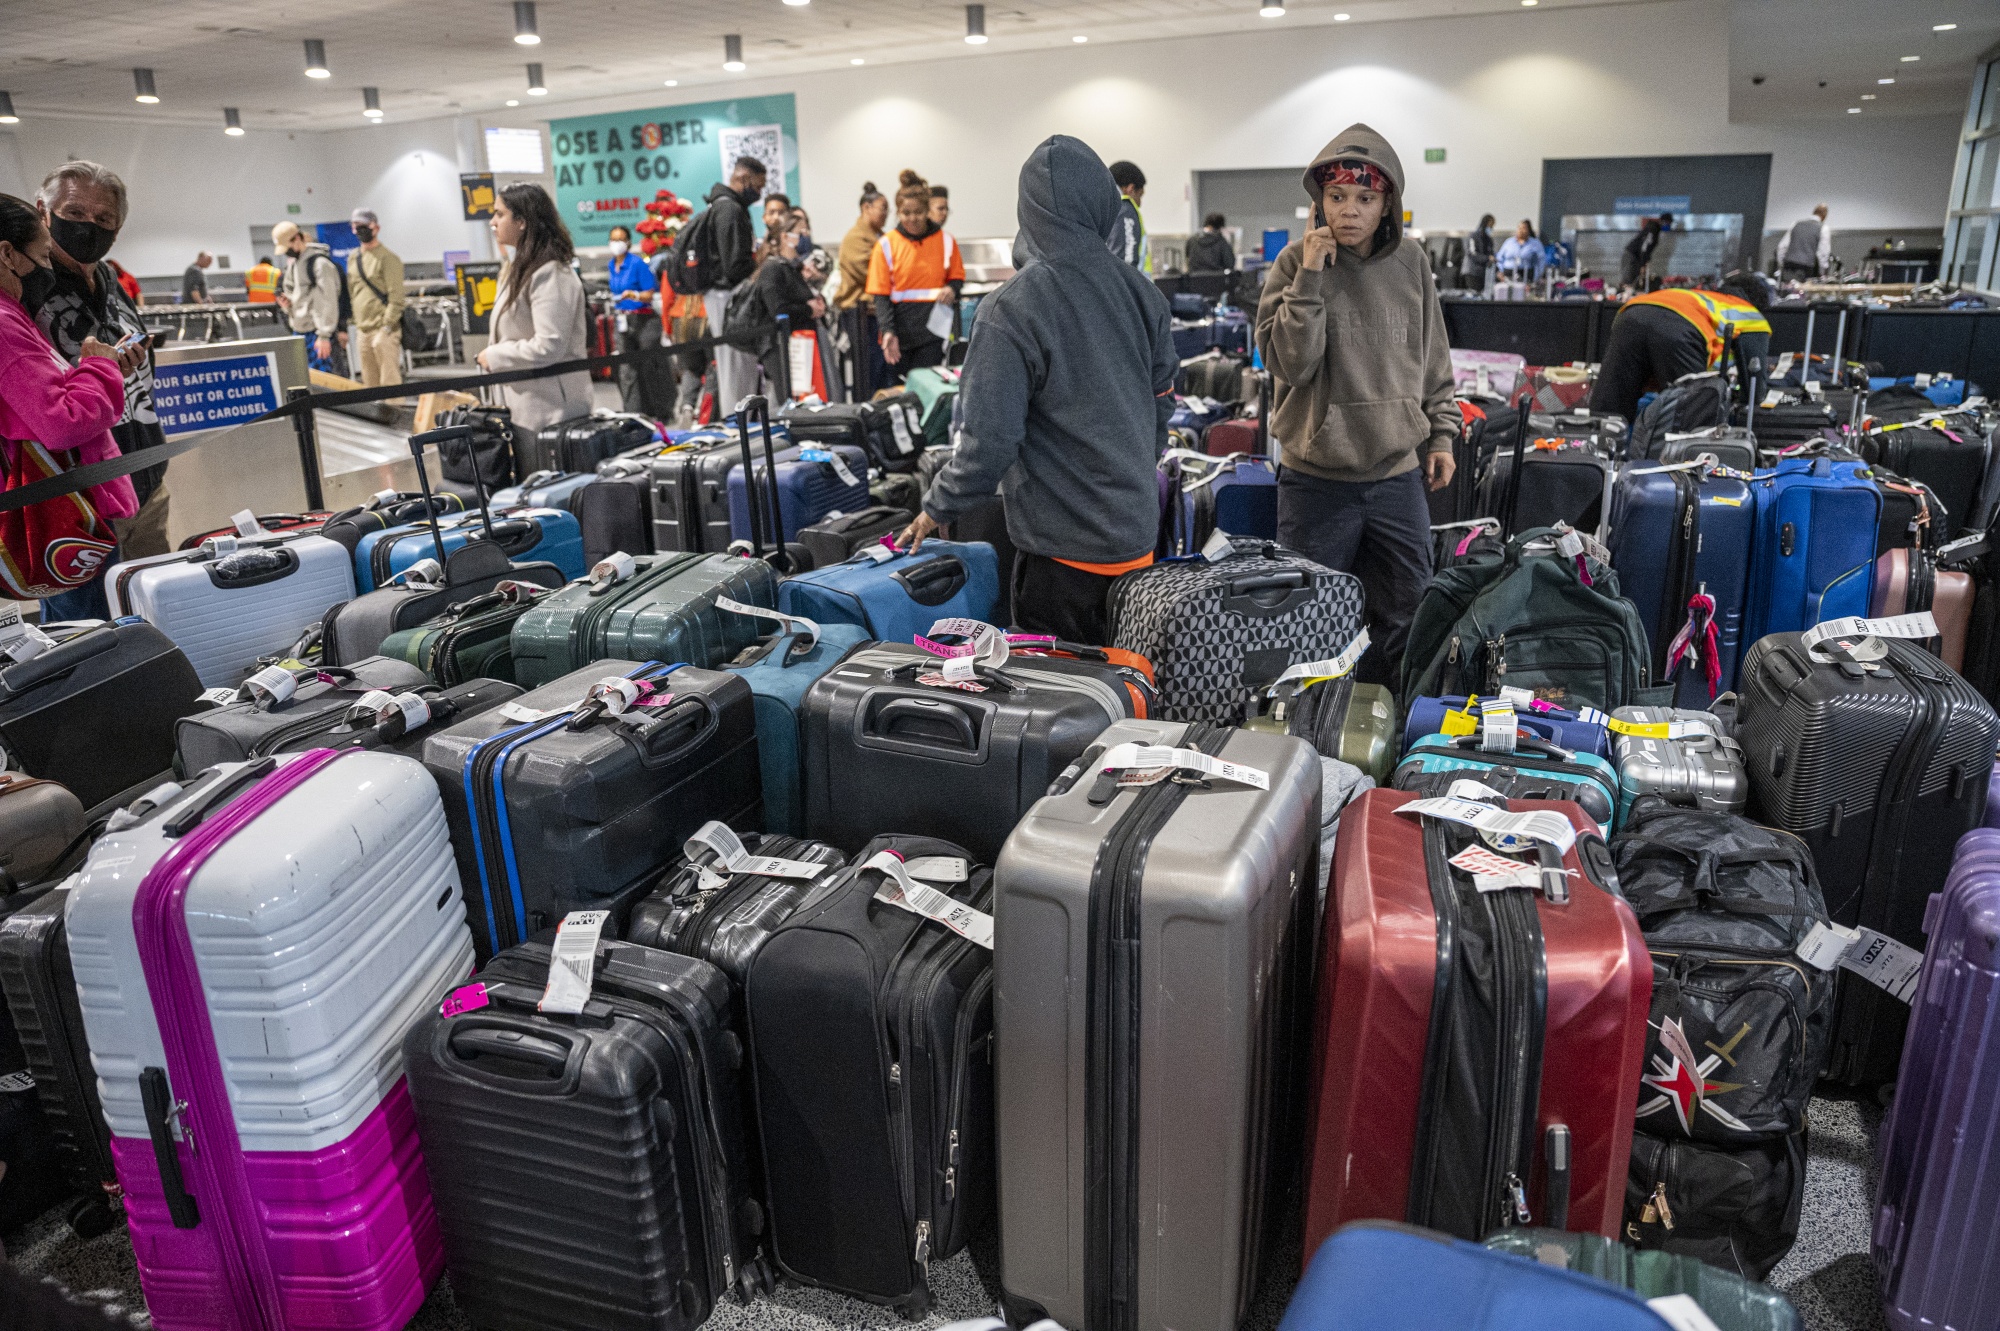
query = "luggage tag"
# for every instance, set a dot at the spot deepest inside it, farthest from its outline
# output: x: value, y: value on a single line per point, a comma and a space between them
x: 465, y: 998
x: 272, y: 687
x: 380, y: 707
x: 425, y: 572
x: 618, y: 695
x: 1149, y: 764
x: 831, y: 458
x: 720, y: 841
x: 1880, y: 960
x: 786, y: 623
x: 216, y: 697
x: 900, y: 888
x: 14, y: 1083
x: 1217, y: 546
x: 1309, y: 673
x: 984, y: 645
x: 1502, y: 830
x: 572, y: 961
x: 215, y: 547
x: 1660, y: 729
x: 1497, y: 724
x: 611, y: 570
x: 899, y: 425
x: 20, y: 640
x: 1922, y: 624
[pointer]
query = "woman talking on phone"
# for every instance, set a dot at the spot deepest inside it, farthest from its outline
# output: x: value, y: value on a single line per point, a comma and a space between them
x: 1362, y: 404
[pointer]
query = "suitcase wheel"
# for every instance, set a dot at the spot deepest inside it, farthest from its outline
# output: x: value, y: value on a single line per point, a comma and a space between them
x: 91, y: 1216
x: 917, y: 1306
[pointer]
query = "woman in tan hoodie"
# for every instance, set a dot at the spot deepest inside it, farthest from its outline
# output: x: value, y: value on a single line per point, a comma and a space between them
x: 1362, y: 406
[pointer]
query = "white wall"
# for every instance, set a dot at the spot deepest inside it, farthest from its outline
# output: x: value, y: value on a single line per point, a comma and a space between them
x: 1499, y: 93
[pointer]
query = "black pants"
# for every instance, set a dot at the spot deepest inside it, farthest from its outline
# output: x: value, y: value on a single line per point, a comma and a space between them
x: 646, y: 388
x: 1052, y: 597
x: 921, y: 356
x: 1380, y: 531
x: 1650, y: 347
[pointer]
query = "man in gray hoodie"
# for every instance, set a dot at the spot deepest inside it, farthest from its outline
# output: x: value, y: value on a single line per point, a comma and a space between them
x: 1362, y: 405
x: 1067, y: 389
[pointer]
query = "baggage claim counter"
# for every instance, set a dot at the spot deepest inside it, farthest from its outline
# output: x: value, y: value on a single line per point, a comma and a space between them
x: 211, y: 388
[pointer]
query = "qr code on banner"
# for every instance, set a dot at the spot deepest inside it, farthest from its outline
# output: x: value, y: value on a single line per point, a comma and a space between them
x: 766, y: 143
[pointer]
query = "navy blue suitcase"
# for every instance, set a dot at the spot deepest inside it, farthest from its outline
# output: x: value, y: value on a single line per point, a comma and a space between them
x: 810, y: 487
x: 1230, y: 330
x: 1673, y: 536
x: 1246, y: 497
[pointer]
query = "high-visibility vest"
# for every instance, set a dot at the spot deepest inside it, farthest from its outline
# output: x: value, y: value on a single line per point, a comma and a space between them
x: 1711, y: 312
x: 904, y: 270
x: 260, y: 283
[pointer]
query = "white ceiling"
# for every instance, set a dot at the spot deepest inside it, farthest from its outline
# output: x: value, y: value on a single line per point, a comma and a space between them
x: 442, y: 57
x: 1819, y: 57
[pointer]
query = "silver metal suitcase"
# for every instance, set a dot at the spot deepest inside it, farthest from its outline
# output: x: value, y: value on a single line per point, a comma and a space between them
x: 1152, y: 974
x: 1696, y: 764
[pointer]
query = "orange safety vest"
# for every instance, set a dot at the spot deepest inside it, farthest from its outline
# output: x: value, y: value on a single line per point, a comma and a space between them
x: 905, y: 270
x: 260, y: 283
x: 1710, y: 312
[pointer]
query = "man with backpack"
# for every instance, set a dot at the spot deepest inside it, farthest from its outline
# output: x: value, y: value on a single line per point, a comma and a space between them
x: 714, y: 253
x: 313, y: 294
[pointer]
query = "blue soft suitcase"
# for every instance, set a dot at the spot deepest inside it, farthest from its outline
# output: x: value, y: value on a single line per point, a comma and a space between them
x: 1195, y: 415
x: 1229, y: 330
x: 1245, y: 493
x: 1673, y: 536
x: 1592, y: 781
x: 1376, y: 1276
x: 1191, y: 337
x: 536, y: 534
x: 900, y: 596
x: 1431, y: 716
x: 779, y: 670
x: 544, y: 489
x: 810, y: 487
x: 1813, y: 557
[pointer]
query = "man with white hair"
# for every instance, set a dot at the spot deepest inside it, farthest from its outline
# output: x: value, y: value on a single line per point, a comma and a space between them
x: 83, y: 205
x: 1808, y: 248
x: 311, y: 293
x: 375, y: 290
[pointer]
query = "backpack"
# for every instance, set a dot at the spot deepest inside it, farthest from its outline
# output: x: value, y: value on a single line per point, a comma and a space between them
x: 694, y: 265
x: 410, y: 328
x: 339, y: 283
x: 1692, y: 402
x: 1550, y: 623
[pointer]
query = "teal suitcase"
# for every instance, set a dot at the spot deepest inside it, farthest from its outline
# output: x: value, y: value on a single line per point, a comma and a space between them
x: 663, y: 611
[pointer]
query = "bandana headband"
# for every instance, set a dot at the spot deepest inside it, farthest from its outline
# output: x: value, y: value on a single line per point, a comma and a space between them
x: 1364, y: 174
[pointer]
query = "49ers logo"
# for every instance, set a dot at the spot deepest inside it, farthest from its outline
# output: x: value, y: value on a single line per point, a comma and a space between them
x: 74, y: 560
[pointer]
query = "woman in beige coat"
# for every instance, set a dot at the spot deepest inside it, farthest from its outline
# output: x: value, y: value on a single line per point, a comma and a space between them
x: 540, y: 318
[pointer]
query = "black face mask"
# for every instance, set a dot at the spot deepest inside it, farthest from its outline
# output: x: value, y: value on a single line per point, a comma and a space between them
x: 86, y: 242
x: 364, y: 234
x: 37, y: 285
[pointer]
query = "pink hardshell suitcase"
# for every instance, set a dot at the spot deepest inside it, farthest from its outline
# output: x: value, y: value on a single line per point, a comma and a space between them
x: 249, y: 951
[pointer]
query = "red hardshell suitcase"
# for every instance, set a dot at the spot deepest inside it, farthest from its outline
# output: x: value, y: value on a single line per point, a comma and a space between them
x: 1413, y: 1118
x: 604, y: 341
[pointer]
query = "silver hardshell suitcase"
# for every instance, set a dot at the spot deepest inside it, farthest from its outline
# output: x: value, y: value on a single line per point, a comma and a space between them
x: 1702, y: 767
x: 1152, y: 972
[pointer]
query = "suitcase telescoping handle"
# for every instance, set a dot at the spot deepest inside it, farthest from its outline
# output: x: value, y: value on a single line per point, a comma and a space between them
x: 440, y: 437
x: 761, y: 406
x: 160, y: 1113
x: 1521, y: 429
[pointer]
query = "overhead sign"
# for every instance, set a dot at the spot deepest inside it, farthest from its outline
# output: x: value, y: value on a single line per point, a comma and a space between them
x: 478, y: 289
x: 609, y: 167
x: 476, y: 193
x: 209, y: 394
x: 1652, y: 205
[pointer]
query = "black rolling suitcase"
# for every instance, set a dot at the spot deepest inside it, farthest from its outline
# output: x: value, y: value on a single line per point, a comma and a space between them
x: 833, y: 540
x: 582, y: 442
x: 96, y: 711
x: 240, y: 731
x: 578, y: 807
x: 889, y: 431
x: 40, y: 994
x: 722, y: 917
x: 870, y: 1038
x: 1950, y: 462
x: 882, y: 749
x: 616, y: 513
x: 691, y: 498
x: 255, y: 725
x: 590, y: 1171
x: 1879, y: 764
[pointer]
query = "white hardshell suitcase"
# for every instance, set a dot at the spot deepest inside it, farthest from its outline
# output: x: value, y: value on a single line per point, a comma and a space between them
x: 233, y: 600
x: 249, y: 952
x: 1143, y: 1110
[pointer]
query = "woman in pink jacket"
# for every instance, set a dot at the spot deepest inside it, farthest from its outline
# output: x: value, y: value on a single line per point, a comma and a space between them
x: 67, y: 411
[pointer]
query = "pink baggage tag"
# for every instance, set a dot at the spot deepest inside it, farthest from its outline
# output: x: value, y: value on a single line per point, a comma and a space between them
x: 465, y: 998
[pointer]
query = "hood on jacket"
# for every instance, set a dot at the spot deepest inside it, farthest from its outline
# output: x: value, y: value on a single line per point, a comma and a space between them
x: 1068, y: 203
x: 721, y: 190
x: 314, y: 247
x: 1363, y: 144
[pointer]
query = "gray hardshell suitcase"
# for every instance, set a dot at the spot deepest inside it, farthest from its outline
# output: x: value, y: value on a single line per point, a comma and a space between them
x: 251, y: 727
x: 1697, y: 765
x: 1152, y: 958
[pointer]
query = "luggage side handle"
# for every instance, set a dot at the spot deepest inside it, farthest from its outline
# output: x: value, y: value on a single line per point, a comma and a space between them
x: 63, y: 657
x: 475, y: 1044
x: 253, y: 568
x: 922, y: 710
x: 684, y: 727
x: 160, y: 1114
x: 934, y: 581
x: 217, y: 795
x: 1252, y: 595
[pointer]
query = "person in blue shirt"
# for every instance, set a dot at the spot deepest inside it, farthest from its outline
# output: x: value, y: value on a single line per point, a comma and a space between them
x: 1522, y: 256
x: 647, y: 388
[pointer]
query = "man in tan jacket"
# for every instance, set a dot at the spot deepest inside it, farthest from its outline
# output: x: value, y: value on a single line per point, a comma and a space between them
x: 375, y: 290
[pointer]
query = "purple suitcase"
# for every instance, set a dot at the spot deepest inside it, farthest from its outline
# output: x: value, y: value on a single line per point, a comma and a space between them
x: 1935, y: 1246
x: 1993, y: 797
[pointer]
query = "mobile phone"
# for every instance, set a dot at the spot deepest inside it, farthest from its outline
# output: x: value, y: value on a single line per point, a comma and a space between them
x: 132, y: 341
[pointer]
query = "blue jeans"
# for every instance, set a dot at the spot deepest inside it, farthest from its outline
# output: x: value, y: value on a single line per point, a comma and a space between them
x: 319, y: 362
x: 86, y: 602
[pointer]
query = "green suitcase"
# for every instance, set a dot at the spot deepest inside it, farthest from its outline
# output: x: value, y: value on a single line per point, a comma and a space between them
x: 1355, y: 723
x: 1732, y: 1302
x: 472, y: 640
x: 664, y: 610
x: 934, y: 389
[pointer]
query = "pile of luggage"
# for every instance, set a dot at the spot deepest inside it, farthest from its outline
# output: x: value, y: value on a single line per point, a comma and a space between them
x: 654, y: 923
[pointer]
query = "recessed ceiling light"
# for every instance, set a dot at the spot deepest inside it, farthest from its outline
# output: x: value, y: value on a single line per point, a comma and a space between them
x: 316, y: 67
x: 1943, y: 27
x: 513, y: 101
x: 732, y: 53
x: 1854, y: 110
x: 1885, y: 80
x: 524, y: 23
x: 1271, y: 11
x: 142, y: 87
x: 1079, y: 39
x: 1911, y: 59
x: 232, y: 122
x: 671, y: 83
x: 975, y: 25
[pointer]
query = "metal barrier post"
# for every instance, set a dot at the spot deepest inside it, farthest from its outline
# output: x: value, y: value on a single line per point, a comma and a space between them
x: 302, y: 425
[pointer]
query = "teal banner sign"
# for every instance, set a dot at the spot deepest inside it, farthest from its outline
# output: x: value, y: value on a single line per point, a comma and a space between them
x: 609, y: 167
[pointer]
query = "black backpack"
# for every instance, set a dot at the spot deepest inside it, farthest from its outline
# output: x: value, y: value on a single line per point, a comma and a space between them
x: 339, y: 282
x: 694, y: 265
x: 1692, y: 402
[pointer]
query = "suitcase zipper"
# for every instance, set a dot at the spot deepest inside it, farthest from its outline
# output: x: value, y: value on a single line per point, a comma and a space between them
x: 1678, y: 586
x: 1521, y: 981
x: 1520, y: 761
x: 585, y: 640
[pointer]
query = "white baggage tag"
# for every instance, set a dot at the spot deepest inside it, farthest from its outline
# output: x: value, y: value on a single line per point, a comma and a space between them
x: 620, y: 694
x: 900, y: 426
x: 1569, y: 545
x: 1217, y: 546
x: 1492, y: 872
x: 1826, y: 944
x: 246, y: 523
x: 831, y: 458
x: 1496, y: 727
x: 425, y: 570
x: 1147, y: 757
x: 572, y: 960
x: 880, y: 554
x: 788, y: 623
x: 1785, y: 364
x: 1814, y: 388
x: 416, y: 712
x: 900, y: 889
x: 273, y: 685
x: 217, y: 546
x: 717, y: 836
x: 1331, y: 668
x: 1921, y: 380
x: 1482, y: 382
x: 20, y: 640
x: 1510, y: 830
x: 1922, y: 624
x: 1517, y: 696
x: 1774, y: 398
x: 939, y: 868
x: 613, y: 568
x: 1682, y: 1313
x: 1465, y: 788
x: 382, y: 498
x: 217, y: 697
x: 1885, y: 963
x: 520, y: 715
